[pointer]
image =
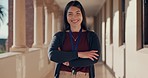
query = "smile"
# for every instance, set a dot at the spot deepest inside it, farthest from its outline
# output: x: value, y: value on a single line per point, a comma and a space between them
x: 74, y: 21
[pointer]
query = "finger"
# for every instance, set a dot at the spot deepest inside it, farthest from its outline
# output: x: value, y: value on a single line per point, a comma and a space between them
x: 95, y: 57
x: 64, y: 63
x: 94, y: 51
x: 95, y: 54
x: 67, y: 63
x: 91, y: 58
x: 59, y: 49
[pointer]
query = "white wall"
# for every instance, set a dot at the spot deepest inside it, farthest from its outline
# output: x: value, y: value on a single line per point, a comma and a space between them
x: 136, y: 60
x: 118, y: 50
x: 125, y: 60
x: 109, y: 46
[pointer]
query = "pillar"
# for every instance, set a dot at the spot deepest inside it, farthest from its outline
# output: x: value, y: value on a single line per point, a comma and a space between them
x: 19, y: 26
x: 48, y: 26
x: 38, y: 24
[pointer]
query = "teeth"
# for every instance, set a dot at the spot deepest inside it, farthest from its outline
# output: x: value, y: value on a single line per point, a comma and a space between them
x: 74, y: 21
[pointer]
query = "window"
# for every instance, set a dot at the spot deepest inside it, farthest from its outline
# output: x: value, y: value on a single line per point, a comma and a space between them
x: 145, y: 22
x: 122, y: 23
x: 111, y: 23
x: 142, y: 24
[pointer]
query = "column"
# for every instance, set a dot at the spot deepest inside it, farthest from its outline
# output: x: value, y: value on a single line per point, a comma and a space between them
x: 53, y: 23
x: 38, y: 24
x: 19, y: 26
x: 59, y: 20
x: 55, y: 18
x: 48, y: 26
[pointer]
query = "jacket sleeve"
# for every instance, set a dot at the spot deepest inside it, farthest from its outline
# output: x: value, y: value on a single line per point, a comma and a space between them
x: 94, y: 44
x: 59, y: 56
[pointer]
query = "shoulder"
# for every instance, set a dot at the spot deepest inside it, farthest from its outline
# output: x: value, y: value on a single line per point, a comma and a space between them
x: 60, y: 33
x: 59, y: 36
x: 91, y: 33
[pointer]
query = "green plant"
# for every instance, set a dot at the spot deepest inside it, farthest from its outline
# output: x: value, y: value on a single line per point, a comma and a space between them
x: 1, y: 51
x: 2, y: 14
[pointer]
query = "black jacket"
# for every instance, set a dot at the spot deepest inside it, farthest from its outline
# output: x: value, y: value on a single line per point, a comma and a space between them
x: 60, y: 57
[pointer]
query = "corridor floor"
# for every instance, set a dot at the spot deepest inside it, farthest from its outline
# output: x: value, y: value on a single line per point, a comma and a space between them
x: 101, y: 71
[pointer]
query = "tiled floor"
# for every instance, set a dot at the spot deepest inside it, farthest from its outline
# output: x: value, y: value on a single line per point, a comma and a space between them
x: 102, y: 72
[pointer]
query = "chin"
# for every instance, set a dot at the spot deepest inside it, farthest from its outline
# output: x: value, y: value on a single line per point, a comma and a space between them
x: 75, y: 24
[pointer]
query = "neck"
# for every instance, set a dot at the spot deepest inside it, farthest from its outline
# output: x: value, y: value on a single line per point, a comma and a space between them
x: 75, y: 29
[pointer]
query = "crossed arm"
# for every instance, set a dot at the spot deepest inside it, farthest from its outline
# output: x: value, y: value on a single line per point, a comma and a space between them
x: 74, y: 59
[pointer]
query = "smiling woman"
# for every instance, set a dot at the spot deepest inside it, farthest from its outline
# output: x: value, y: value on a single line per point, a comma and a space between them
x: 75, y: 49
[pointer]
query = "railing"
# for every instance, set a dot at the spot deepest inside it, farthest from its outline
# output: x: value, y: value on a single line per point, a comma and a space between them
x: 31, y: 64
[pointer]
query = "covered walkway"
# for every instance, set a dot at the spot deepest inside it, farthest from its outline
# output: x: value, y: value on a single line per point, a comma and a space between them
x: 118, y: 24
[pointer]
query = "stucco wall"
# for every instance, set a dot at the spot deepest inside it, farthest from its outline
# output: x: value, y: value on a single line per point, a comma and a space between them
x: 129, y: 59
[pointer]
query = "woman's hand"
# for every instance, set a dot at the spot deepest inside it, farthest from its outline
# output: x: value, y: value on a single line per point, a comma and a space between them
x: 88, y: 54
x: 66, y: 63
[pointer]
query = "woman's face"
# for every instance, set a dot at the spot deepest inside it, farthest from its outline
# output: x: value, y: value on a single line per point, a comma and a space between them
x: 74, y: 16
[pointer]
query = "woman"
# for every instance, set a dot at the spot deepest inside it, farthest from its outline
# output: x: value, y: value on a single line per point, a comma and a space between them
x: 76, y: 49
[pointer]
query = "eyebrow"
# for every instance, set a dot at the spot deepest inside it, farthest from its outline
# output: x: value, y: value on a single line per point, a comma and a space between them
x: 76, y: 11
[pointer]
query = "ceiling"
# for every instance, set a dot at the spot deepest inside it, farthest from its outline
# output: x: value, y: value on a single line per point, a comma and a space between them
x: 91, y: 7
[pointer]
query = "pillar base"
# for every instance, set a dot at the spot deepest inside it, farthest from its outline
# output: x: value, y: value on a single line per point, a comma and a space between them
x: 37, y: 46
x: 46, y: 44
x: 19, y: 49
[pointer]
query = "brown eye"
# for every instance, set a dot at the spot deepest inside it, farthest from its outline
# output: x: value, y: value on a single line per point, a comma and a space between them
x: 69, y: 14
x: 78, y: 13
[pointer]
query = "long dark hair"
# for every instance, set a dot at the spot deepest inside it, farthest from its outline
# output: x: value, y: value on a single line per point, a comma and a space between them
x: 78, y: 5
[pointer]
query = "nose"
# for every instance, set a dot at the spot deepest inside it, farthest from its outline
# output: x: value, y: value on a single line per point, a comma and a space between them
x: 74, y: 16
